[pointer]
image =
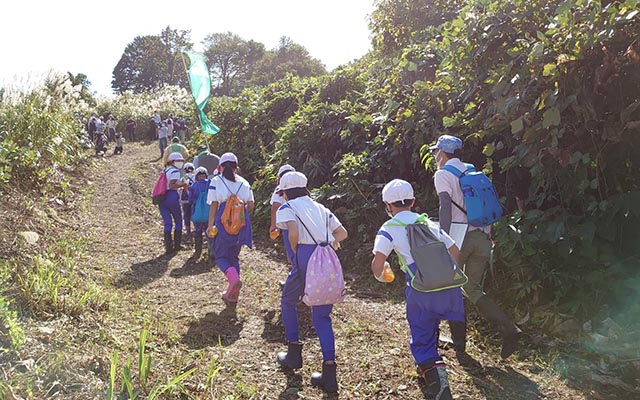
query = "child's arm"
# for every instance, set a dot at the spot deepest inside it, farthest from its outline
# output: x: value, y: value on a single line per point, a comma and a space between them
x: 274, y: 209
x: 455, y: 253
x: 339, y: 234
x: 292, y: 228
x: 377, y: 264
x: 212, y: 214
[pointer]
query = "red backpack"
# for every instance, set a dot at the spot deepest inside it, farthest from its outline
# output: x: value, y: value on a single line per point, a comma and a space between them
x: 160, y: 190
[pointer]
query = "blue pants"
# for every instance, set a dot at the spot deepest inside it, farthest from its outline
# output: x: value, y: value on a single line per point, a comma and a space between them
x: 424, y: 312
x: 226, y: 247
x: 162, y: 143
x: 287, y: 245
x: 321, y: 315
x: 186, y: 216
x: 170, y: 209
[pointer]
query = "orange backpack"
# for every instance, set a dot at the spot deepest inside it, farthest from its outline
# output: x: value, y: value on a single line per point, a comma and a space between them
x: 233, y: 214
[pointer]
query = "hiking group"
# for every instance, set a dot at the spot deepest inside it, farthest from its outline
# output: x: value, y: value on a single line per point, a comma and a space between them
x: 443, y: 261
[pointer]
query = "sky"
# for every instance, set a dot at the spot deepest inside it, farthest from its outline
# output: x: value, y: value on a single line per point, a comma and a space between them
x: 39, y: 36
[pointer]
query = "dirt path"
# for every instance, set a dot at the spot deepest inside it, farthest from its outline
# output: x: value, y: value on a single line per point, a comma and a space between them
x: 192, y: 327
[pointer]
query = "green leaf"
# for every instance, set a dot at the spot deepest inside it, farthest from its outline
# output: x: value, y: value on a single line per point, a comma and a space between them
x: 412, y: 66
x: 549, y: 69
x: 537, y: 50
x: 551, y: 117
x: 488, y: 150
x: 517, y: 125
x: 448, y: 122
x: 541, y: 36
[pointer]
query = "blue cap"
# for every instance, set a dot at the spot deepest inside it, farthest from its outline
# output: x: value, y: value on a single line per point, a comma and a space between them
x: 448, y: 144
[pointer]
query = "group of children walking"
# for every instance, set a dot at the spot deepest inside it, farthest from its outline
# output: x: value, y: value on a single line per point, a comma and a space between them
x: 308, y: 228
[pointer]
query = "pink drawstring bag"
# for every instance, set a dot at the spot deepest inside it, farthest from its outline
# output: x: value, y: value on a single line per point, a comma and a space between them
x: 324, y: 282
x: 160, y: 190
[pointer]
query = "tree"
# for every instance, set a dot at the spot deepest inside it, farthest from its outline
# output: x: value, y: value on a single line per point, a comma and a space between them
x: 85, y: 92
x: 231, y: 61
x: 288, y: 57
x: 152, y: 61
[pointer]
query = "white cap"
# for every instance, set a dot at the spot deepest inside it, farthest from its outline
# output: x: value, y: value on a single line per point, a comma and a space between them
x: 293, y: 180
x: 175, y: 157
x: 397, y: 190
x: 187, y: 165
x: 228, y: 157
x: 201, y: 170
x: 285, y: 168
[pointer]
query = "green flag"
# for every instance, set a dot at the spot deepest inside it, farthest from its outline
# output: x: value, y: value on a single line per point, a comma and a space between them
x: 201, y: 88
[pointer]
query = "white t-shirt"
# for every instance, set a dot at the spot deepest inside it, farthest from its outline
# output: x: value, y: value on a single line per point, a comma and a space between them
x: 393, y: 237
x: 219, y: 192
x: 111, y: 123
x: 277, y: 198
x: 172, y: 173
x: 162, y: 132
x: 445, y: 181
x: 315, y: 216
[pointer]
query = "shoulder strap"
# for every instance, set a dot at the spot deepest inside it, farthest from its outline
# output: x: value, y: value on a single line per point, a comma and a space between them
x: 459, y: 174
x: 307, y: 229
x: 223, y: 182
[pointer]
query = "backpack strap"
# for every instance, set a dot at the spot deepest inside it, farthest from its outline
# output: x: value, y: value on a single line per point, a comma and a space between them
x: 422, y: 219
x: 236, y: 193
x: 307, y: 229
x: 459, y: 174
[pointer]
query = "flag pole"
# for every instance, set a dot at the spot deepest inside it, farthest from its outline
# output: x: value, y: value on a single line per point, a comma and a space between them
x: 186, y: 71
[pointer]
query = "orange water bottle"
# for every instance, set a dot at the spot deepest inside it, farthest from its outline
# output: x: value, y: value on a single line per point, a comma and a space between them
x: 274, y: 234
x: 387, y: 275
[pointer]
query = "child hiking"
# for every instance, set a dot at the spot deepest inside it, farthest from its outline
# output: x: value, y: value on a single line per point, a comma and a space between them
x: 230, y: 197
x: 200, y: 216
x: 424, y: 309
x: 309, y: 226
x: 170, y: 206
x: 276, y: 201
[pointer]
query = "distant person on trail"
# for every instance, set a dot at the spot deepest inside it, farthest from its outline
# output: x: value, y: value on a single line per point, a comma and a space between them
x: 162, y: 139
x: 228, y: 239
x: 277, y: 199
x: 476, y: 248
x: 131, y: 129
x: 111, y: 127
x: 170, y: 206
x: 119, y: 143
x: 174, y: 147
x: 91, y: 126
x: 206, y: 159
x: 309, y: 225
x: 181, y: 128
x: 424, y: 310
x: 201, y: 185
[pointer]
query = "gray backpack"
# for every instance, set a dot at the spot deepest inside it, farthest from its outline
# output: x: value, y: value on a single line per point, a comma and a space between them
x: 435, y: 268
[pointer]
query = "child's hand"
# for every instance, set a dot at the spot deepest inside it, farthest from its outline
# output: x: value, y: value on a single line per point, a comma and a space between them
x: 336, y: 245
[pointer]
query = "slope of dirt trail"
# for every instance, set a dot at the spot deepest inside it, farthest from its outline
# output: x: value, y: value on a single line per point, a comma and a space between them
x: 191, y: 327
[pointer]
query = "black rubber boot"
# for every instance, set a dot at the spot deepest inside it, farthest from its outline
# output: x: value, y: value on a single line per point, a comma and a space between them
x: 292, y: 358
x: 458, y: 335
x: 198, y: 247
x: 435, y: 377
x: 492, y: 313
x: 168, y: 243
x: 177, y: 240
x: 327, y: 379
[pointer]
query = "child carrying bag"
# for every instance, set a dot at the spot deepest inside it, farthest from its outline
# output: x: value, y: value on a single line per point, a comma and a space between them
x: 233, y: 214
x: 324, y: 282
x: 201, y: 208
x: 160, y: 190
x: 435, y: 268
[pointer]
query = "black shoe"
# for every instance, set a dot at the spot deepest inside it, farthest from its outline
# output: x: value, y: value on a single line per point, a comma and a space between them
x: 458, y: 335
x: 168, y: 243
x: 177, y: 240
x: 198, y: 247
x: 292, y: 358
x: 435, y: 377
x: 326, y: 380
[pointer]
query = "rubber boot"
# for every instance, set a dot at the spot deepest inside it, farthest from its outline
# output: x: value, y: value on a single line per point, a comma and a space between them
x: 177, y: 240
x: 492, y: 313
x: 233, y: 289
x: 458, y: 335
x: 435, y: 377
x: 327, y: 379
x: 198, y: 247
x: 292, y: 358
x: 168, y: 243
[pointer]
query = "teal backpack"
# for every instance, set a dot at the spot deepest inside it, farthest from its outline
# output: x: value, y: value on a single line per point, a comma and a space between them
x: 200, y: 212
